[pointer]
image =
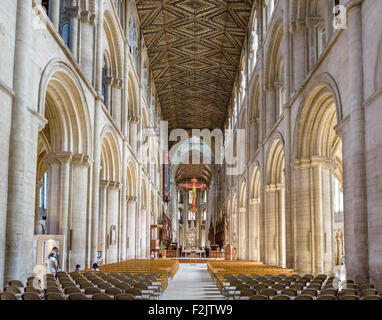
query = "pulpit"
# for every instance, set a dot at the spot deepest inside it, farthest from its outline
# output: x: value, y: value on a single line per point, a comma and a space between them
x: 154, y: 241
x: 230, y: 253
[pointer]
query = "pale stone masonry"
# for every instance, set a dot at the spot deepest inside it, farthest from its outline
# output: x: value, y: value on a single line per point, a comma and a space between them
x: 308, y: 95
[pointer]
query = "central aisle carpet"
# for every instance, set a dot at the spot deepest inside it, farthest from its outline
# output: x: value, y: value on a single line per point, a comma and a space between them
x: 192, y: 282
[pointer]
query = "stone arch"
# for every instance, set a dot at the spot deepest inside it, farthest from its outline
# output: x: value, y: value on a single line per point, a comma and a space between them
x: 254, y: 214
x: 322, y: 89
x: 318, y: 164
x: 62, y: 101
x: 115, y: 45
x: 273, y: 51
x: 275, y: 241
x: 110, y: 155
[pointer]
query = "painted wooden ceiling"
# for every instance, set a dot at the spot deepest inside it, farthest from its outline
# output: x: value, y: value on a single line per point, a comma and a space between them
x: 194, y: 48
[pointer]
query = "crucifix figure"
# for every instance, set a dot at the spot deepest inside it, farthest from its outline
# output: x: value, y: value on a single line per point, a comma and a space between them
x: 194, y: 186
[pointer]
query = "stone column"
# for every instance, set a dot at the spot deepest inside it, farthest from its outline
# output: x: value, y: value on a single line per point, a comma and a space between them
x: 254, y: 229
x: 271, y: 226
x: 96, y: 231
x: 131, y: 253
x: 14, y: 250
x: 254, y: 129
x: 87, y: 44
x: 133, y: 129
x: 78, y: 244
x: 242, y: 233
x: 357, y: 259
x: 113, y: 210
x: 55, y: 13
x: 101, y: 243
x: 289, y: 248
x: 123, y: 241
x: 39, y: 184
x: 74, y: 14
x: 58, y: 203
x: 299, y: 55
x: 280, y: 210
x: 116, y: 108
x: 270, y: 107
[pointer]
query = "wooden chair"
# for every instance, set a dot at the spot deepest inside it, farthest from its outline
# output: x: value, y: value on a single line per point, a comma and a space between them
x: 30, y: 296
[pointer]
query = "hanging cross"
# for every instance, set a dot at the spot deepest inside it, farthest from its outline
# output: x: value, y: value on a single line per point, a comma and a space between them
x: 194, y: 186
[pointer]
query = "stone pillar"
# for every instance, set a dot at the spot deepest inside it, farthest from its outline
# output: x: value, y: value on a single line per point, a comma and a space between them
x: 112, y: 221
x: 242, y: 233
x: 39, y: 184
x: 55, y: 13
x: 270, y: 107
x: 78, y: 244
x: 58, y: 202
x: 299, y: 56
x: 87, y: 44
x: 74, y: 14
x: 254, y: 139
x: 280, y: 211
x: 271, y: 225
x: 357, y: 259
x: 96, y: 231
x: 254, y: 215
x: 14, y: 249
x: 133, y: 129
x: 116, y: 108
x: 101, y: 243
x: 131, y: 253
x: 123, y: 228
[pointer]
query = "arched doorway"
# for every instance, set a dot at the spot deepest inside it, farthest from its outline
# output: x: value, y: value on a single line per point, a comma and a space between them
x: 318, y: 184
x: 254, y: 216
x: 275, y: 242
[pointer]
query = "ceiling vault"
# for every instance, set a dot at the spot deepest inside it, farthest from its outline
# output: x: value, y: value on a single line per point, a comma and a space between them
x: 194, y: 48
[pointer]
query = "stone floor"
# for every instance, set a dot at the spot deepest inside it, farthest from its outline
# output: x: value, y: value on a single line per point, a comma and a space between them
x: 192, y: 282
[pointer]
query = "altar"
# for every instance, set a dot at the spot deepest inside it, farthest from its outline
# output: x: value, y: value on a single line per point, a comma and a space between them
x: 193, y: 253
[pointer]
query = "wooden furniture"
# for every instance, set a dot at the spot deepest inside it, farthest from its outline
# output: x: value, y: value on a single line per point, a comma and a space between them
x: 162, y: 253
x: 230, y: 253
x: 164, y: 268
x: 217, y: 254
x: 172, y: 253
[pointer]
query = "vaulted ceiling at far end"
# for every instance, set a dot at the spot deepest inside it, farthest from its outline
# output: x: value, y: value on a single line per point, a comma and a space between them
x: 194, y: 49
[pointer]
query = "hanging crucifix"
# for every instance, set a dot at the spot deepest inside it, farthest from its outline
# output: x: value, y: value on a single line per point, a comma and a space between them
x: 194, y: 186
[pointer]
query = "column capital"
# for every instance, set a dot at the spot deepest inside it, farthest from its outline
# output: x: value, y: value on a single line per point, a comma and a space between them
x: 103, y: 184
x: 271, y: 188
x: 87, y: 17
x: 133, y: 119
x: 254, y: 201
x: 81, y: 160
x: 114, y: 185
x: 58, y: 157
x: 131, y: 198
x: 108, y: 81
x: 74, y: 12
x: 117, y: 83
x: 269, y: 86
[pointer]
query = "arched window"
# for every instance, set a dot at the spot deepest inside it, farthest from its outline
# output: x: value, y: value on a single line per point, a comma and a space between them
x: 120, y: 7
x: 254, y: 43
x: 268, y: 8
x: 279, y: 86
x: 242, y: 85
x: 65, y: 27
x: 190, y: 197
x: 133, y: 42
x: 106, y: 83
x: 44, y: 193
x: 145, y: 86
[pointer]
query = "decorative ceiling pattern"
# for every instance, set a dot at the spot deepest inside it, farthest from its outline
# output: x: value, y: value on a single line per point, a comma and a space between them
x: 186, y: 172
x: 194, y: 49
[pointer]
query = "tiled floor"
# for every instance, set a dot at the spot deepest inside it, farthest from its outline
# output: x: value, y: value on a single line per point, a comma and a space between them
x: 192, y: 282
